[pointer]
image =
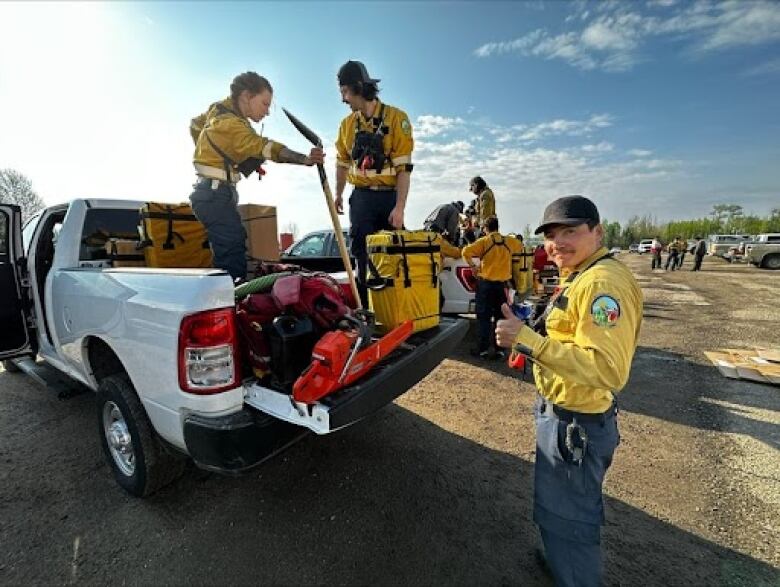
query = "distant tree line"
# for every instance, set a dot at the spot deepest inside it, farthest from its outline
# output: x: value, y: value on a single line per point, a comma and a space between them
x: 723, y: 219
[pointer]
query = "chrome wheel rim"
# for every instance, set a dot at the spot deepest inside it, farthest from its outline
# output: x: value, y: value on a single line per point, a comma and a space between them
x: 118, y: 439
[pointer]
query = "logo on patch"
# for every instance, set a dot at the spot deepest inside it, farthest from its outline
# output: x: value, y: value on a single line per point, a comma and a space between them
x: 605, y: 311
x: 406, y: 127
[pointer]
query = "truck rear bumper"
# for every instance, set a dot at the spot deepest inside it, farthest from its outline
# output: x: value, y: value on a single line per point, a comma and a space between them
x: 270, y: 421
x: 240, y: 441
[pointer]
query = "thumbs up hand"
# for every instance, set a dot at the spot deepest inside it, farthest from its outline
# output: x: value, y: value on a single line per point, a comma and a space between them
x: 508, y: 328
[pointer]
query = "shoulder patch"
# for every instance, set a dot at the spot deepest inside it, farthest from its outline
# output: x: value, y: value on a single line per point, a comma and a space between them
x: 406, y: 127
x: 605, y: 311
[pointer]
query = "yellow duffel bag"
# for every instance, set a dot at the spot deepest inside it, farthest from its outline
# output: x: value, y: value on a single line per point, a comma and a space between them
x: 403, y: 279
x: 171, y: 236
x: 522, y: 270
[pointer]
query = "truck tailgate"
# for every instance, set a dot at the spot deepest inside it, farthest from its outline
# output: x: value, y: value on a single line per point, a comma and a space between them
x: 391, y: 378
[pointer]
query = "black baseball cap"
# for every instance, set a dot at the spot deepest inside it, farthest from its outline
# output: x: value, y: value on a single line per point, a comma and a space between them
x: 569, y: 211
x: 353, y: 72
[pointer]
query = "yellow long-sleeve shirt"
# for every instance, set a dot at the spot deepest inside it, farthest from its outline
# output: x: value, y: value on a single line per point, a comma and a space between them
x: 487, y: 205
x: 446, y: 248
x: 591, y: 337
x: 397, y: 144
x: 233, y: 135
x: 495, y: 254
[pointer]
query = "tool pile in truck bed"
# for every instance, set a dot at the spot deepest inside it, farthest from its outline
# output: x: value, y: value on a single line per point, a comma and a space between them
x: 301, y: 333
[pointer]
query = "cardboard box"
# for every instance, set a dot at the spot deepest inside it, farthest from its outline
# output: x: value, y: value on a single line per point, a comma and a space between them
x: 262, y: 239
x: 744, y: 364
x: 124, y: 253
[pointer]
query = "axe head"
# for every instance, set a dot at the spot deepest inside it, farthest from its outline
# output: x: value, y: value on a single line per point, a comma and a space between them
x: 303, y: 129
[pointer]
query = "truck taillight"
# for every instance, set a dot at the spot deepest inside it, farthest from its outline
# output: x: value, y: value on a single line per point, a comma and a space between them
x: 467, y: 278
x: 208, y: 352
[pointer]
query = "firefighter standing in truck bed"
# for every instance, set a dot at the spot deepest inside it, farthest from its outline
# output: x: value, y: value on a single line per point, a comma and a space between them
x: 374, y: 148
x: 494, y: 251
x: 227, y: 146
x: 592, y: 325
x: 485, y: 200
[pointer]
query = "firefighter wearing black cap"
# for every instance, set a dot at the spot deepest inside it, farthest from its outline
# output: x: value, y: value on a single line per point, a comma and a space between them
x: 445, y: 220
x: 592, y: 326
x: 374, y: 153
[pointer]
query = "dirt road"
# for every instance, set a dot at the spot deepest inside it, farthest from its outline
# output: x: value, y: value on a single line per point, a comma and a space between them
x: 437, y: 488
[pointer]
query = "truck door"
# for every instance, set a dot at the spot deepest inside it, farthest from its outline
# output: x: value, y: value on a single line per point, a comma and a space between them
x: 16, y: 337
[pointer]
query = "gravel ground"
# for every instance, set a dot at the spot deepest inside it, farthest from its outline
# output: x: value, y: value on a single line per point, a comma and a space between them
x: 437, y: 488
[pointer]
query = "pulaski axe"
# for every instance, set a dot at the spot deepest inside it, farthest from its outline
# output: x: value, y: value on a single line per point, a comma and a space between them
x: 315, y: 140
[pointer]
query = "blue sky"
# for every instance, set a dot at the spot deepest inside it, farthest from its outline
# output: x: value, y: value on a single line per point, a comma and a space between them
x: 662, y: 107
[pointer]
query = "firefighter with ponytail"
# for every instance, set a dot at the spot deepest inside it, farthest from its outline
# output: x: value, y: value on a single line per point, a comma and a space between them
x: 227, y: 147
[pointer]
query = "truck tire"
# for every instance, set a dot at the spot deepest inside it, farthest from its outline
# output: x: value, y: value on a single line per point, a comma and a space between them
x: 10, y: 366
x: 138, y: 460
x: 771, y: 262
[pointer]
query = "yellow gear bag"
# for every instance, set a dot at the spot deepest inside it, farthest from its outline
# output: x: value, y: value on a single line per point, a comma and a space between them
x: 403, y: 284
x: 171, y: 236
x: 522, y: 271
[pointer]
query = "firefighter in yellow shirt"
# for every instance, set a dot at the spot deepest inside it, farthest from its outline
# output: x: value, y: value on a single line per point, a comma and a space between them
x: 226, y: 146
x: 683, y: 248
x: 592, y: 325
x: 495, y: 253
x: 374, y: 153
x: 486, y: 201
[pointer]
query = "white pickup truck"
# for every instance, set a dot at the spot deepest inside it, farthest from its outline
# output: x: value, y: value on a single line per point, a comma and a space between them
x: 160, y: 348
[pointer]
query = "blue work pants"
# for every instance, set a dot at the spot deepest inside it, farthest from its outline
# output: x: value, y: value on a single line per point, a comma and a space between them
x: 215, y: 204
x: 568, y: 503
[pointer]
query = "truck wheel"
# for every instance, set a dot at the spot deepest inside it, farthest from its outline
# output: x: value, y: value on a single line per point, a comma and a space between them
x: 771, y: 262
x: 10, y: 366
x: 140, y: 464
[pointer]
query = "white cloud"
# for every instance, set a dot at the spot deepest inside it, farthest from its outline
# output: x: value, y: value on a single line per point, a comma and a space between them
x: 602, y: 147
x: 661, y: 3
x: 744, y: 23
x: 613, y: 41
x: 526, y: 174
x: 517, y: 45
x: 604, y: 36
x: 566, y: 127
x: 428, y: 125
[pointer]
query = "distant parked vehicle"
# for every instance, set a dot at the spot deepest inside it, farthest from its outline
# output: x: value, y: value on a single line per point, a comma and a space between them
x: 633, y: 248
x: 318, y: 251
x: 719, y: 244
x: 764, y: 252
x: 645, y: 245
x: 615, y: 250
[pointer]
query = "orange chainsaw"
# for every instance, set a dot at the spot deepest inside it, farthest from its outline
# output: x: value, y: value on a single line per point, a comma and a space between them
x: 341, y: 357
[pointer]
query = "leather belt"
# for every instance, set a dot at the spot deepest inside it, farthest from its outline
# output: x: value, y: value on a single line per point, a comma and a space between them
x: 567, y: 415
